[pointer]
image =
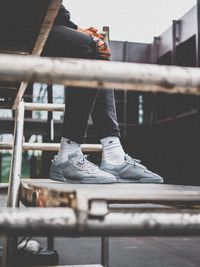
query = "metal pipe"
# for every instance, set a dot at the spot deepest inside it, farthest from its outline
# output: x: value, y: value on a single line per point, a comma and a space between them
x: 44, y: 107
x: 91, y: 73
x: 105, y: 251
x: 10, y: 244
x: 15, y: 171
x: 50, y: 242
x: 65, y: 222
x: 51, y: 147
x: 52, y: 11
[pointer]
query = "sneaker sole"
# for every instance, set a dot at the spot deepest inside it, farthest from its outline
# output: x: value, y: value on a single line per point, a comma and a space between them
x: 84, y: 181
x: 141, y: 180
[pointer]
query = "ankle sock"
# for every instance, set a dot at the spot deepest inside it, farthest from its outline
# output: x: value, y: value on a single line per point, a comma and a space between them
x: 113, y: 152
x: 67, y: 147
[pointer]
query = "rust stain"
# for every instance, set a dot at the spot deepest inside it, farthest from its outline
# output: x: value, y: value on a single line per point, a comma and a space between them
x: 164, y: 83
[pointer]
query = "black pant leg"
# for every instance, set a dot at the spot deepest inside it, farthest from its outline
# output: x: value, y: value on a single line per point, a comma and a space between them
x: 65, y: 42
x: 104, y: 115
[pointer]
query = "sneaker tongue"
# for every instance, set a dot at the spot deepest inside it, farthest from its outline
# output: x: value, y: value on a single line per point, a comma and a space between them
x: 75, y: 155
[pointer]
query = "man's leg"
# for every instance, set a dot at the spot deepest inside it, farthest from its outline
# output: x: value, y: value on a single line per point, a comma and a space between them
x: 115, y: 161
x: 105, y: 122
x: 70, y: 165
x: 65, y: 42
x: 104, y: 115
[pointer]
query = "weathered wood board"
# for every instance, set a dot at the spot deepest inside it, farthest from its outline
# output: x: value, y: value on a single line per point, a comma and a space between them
x: 49, y: 193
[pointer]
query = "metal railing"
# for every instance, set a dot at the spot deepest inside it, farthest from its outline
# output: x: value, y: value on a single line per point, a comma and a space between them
x: 92, y: 74
x: 50, y: 146
x: 16, y: 161
x: 103, y: 74
x: 47, y: 146
x: 65, y: 222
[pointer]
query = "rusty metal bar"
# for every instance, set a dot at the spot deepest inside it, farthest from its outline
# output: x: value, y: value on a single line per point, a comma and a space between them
x: 65, y: 222
x: 14, y: 179
x: 90, y: 265
x: 87, y: 73
x: 44, y: 107
x: 50, y: 146
x: 15, y: 172
x: 47, y: 24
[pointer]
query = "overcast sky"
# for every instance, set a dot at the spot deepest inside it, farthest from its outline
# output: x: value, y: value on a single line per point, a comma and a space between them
x: 129, y: 20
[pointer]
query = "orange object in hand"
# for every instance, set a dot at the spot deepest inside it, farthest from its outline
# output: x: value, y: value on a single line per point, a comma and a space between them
x: 103, y: 49
x: 92, y: 32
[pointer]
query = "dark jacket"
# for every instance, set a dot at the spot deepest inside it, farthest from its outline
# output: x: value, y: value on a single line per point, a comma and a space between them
x: 63, y: 18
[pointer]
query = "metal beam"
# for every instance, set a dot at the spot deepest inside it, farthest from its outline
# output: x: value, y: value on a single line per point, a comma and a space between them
x: 15, y: 170
x: 156, y: 42
x: 48, y: 193
x: 50, y: 146
x: 47, y: 24
x: 44, y: 107
x: 175, y: 39
x: 65, y: 222
x: 87, y: 73
x: 91, y: 265
x: 198, y: 35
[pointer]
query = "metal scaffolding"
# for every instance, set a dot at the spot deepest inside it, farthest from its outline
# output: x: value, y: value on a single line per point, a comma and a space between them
x: 92, y: 74
x: 89, y: 211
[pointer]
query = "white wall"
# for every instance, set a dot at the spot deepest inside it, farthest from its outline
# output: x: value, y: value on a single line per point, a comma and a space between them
x: 130, y: 20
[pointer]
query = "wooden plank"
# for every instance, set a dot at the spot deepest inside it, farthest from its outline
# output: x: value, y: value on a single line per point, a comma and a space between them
x: 51, y: 14
x: 92, y: 265
x: 20, y: 94
x: 49, y: 193
x: 47, y: 24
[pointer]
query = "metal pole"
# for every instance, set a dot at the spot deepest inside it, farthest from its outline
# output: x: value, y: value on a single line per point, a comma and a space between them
x: 10, y: 243
x: 50, y: 114
x: 44, y: 107
x: 50, y: 242
x: 45, y: 156
x: 155, y: 48
x: 1, y: 157
x: 198, y: 46
x: 175, y: 39
x: 51, y: 147
x: 198, y: 35
x: 15, y: 172
x: 125, y: 92
x: 105, y: 251
x: 52, y: 11
x: 103, y: 74
x: 67, y: 222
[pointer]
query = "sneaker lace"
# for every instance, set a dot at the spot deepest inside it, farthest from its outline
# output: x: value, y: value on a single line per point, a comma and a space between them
x: 85, y: 163
x: 134, y: 161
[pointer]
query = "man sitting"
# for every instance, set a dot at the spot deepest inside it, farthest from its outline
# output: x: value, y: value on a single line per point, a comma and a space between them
x: 70, y: 165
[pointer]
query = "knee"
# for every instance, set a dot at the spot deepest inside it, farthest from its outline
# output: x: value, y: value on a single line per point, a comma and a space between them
x: 88, y: 50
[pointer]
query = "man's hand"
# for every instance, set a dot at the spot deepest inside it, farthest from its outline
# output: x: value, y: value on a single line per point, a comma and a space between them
x: 91, y: 32
x: 102, y: 47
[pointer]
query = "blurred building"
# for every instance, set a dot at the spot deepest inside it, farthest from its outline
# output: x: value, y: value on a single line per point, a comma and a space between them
x: 163, y: 130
